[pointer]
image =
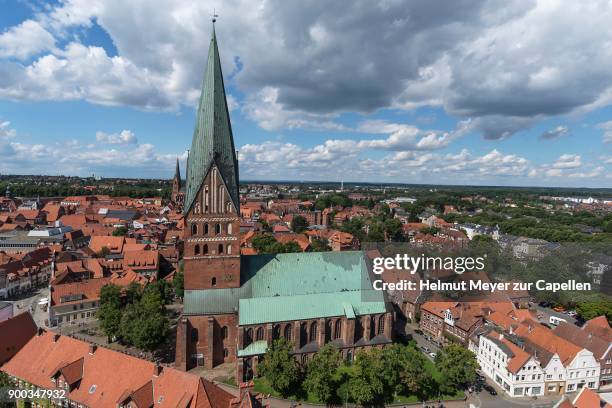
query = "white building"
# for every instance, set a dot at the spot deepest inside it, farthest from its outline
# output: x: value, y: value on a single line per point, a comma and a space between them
x: 516, y: 371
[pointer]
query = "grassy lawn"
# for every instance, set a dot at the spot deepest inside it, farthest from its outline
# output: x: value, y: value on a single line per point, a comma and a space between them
x: 342, y: 376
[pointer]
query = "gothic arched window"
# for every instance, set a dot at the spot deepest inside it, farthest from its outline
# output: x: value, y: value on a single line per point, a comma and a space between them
x: 313, y: 331
x: 260, y: 334
x: 196, y: 250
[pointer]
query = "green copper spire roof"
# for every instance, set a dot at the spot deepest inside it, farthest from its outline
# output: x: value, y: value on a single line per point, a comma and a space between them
x: 177, y: 173
x: 213, y: 142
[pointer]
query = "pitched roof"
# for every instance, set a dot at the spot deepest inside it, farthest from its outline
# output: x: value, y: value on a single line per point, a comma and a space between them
x: 598, y: 346
x: 109, y: 377
x: 587, y: 398
x: 213, y: 142
x: 547, y: 339
x: 114, y: 244
x: 599, y: 326
x: 293, y: 286
x: 14, y: 334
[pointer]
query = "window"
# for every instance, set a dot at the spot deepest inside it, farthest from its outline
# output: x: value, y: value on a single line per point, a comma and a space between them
x: 220, y: 249
x: 313, y: 331
x: 229, y: 228
x: 217, y: 229
x: 196, y: 250
x: 381, y: 324
x: 205, y: 249
x: 338, y: 329
x: 229, y: 249
x: 288, y: 332
x: 276, y: 331
x: 260, y: 333
x: 224, y: 332
x: 591, y: 384
x: 206, y: 229
x: 194, y: 229
x: 518, y: 391
x: 213, y: 281
x: 248, y: 338
x: 194, y: 335
x: 225, y: 352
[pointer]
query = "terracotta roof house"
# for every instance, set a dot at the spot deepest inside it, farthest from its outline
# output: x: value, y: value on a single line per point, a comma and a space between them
x: 14, y: 334
x: 145, y: 262
x: 98, y: 377
x: 599, y: 327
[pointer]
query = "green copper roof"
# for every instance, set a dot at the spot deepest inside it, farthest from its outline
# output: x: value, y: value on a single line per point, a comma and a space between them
x: 213, y: 141
x: 285, y: 287
x: 254, y: 349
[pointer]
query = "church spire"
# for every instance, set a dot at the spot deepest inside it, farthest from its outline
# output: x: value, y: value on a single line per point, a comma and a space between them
x: 213, y: 142
x: 177, y: 173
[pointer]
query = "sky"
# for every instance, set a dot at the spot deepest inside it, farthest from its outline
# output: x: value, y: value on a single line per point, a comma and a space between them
x: 491, y: 92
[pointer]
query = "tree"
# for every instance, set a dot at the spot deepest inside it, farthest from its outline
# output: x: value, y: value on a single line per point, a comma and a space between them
x: 319, y: 245
x: 133, y: 293
x: 279, y: 367
x: 288, y: 247
x: 367, y: 384
x: 109, y: 313
x: 376, y: 233
x: 590, y: 310
x: 405, y: 368
x: 321, y: 372
x: 394, y: 229
x: 458, y: 367
x: 178, y: 282
x: 103, y: 252
x: 144, y: 324
x: 120, y: 232
x: 299, y: 224
x: 430, y: 230
x: 264, y: 243
x: 5, y: 382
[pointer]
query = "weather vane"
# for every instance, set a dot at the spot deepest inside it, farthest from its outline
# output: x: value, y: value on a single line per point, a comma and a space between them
x: 214, y: 16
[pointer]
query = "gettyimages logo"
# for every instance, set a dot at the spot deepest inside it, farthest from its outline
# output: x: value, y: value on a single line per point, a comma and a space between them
x: 414, y: 264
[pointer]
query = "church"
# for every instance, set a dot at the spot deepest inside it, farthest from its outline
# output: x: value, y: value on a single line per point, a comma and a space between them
x: 235, y: 306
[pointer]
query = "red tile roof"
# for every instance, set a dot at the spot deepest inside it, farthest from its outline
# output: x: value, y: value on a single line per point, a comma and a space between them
x: 14, y: 334
x: 110, y: 378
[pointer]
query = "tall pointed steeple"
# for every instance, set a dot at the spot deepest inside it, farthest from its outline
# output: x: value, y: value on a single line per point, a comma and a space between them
x: 213, y: 142
x: 177, y: 174
x: 176, y: 183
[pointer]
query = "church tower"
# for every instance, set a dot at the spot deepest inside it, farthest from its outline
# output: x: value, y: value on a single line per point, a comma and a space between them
x: 211, y: 208
x: 177, y: 197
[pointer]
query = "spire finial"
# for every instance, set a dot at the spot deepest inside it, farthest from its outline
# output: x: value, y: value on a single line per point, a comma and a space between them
x: 214, y: 16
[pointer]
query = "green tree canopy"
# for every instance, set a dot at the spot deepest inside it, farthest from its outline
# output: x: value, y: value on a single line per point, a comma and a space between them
x: 320, y: 377
x: 279, y: 367
x: 299, y: 224
x: 458, y: 367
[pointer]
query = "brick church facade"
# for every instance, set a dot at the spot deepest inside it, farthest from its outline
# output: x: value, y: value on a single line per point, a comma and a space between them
x: 234, y: 306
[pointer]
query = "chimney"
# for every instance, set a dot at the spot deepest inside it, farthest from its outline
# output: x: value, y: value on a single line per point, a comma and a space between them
x: 92, y: 348
x: 501, y: 336
x: 157, y: 370
x: 56, y: 337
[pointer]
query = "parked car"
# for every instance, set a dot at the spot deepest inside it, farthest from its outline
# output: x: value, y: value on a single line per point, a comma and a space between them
x: 432, y: 355
x: 489, y: 389
x: 426, y: 349
x: 419, y: 331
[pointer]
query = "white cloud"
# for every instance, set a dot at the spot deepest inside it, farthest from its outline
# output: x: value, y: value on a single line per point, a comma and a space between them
x: 123, y: 137
x: 6, y: 130
x: 568, y: 161
x: 506, y: 65
x: 607, y: 131
x: 555, y: 133
x: 25, y: 40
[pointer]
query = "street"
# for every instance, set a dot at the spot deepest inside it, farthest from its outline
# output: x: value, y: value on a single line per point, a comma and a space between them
x: 29, y: 302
